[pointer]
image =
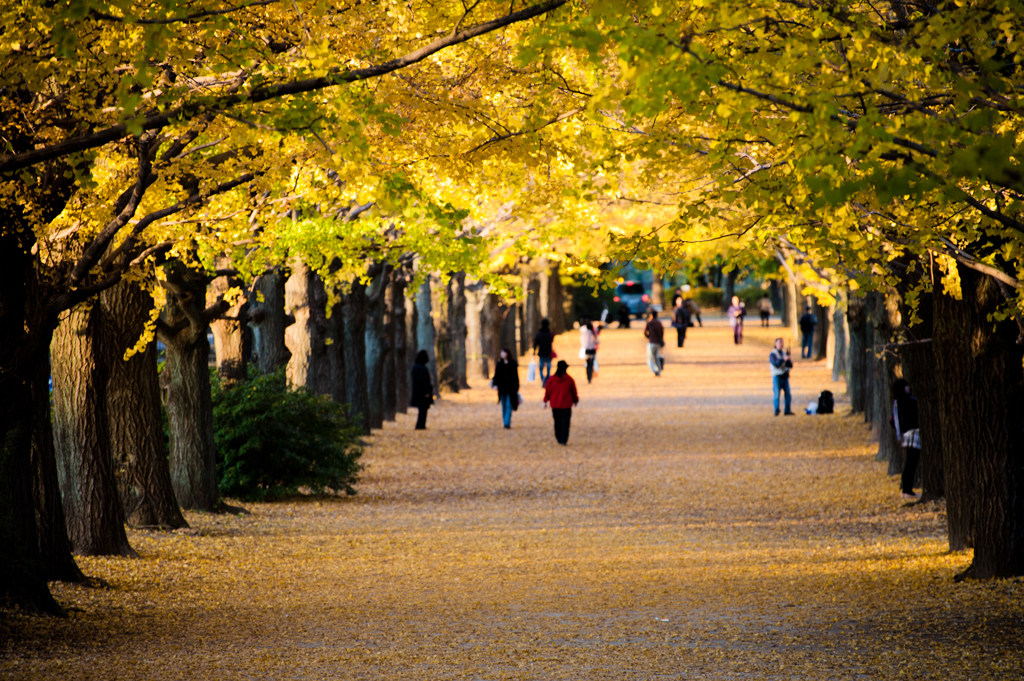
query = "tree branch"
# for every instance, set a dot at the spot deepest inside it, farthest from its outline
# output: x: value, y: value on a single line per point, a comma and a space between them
x: 11, y: 162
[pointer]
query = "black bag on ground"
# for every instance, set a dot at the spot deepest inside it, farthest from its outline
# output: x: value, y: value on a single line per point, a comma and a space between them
x: 826, y: 403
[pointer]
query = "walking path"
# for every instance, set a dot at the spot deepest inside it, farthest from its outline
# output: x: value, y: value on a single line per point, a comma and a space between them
x: 685, y: 533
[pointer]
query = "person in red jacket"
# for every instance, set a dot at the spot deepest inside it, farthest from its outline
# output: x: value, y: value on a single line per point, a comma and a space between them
x: 561, y: 393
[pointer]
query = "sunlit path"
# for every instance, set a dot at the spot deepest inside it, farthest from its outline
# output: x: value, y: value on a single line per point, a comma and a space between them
x: 684, y: 533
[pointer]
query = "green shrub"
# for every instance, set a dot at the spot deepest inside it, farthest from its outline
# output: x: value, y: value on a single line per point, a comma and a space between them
x: 750, y: 296
x: 272, y: 442
x: 708, y: 297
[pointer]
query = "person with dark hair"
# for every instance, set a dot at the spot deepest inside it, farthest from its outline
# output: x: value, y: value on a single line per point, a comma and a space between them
x: 422, y: 388
x: 681, y: 320
x: 588, y: 346
x: 624, y: 316
x: 655, y: 334
x: 807, y: 322
x: 542, y: 341
x: 736, y: 312
x: 905, y: 421
x: 764, y: 307
x: 781, y: 362
x: 561, y: 393
x: 506, y: 381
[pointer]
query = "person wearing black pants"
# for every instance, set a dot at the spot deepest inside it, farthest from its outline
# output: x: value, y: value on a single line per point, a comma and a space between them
x: 905, y: 421
x: 560, y: 392
x: 422, y: 389
x: 681, y: 320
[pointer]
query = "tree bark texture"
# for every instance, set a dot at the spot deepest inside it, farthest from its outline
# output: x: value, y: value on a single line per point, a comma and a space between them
x: 85, y: 464
x: 457, y: 327
x: 491, y: 320
x: 552, y: 298
x: 531, y: 314
x: 336, y: 351
x: 824, y: 330
x: 400, y: 335
x: 919, y: 364
x: 378, y: 347
x: 134, y: 417
x: 388, y: 375
x: 268, y: 321
x: 231, y: 340
x: 507, y: 339
x: 355, y: 355
x: 476, y: 294
x: 841, y: 338
x: 425, y: 334
x: 54, y: 548
x: 306, y: 339
x: 185, y: 381
x: 981, y: 386
x: 440, y: 300
x: 856, y: 356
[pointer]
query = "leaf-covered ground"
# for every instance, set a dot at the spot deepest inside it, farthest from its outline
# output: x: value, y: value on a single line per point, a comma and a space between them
x: 685, y: 532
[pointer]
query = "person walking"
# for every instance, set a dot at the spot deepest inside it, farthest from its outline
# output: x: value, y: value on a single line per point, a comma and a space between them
x: 680, y: 320
x: 736, y: 312
x: 561, y: 393
x: 506, y: 380
x: 807, y: 323
x: 781, y: 363
x: 905, y: 421
x: 422, y: 389
x: 764, y: 307
x: 588, y: 346
x: 655, y: 334
x: 542, y: 341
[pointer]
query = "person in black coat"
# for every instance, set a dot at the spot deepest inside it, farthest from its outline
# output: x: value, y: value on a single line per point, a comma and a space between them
x: 422, y: 389
x: 506, y: 380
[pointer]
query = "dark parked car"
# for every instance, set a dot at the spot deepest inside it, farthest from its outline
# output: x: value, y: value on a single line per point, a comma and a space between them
x: 633, y: 295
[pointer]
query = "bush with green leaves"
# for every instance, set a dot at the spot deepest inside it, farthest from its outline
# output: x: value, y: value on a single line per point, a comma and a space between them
x: 708, y: 297
x: 273, y: 442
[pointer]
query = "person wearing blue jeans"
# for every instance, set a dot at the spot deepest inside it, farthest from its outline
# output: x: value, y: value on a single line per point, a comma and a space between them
x: 506, y: 382
x: 542, y: 341
x: 781, y: 363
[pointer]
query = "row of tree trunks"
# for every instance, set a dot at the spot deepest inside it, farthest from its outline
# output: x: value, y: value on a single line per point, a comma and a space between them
x: 378, y: 345
x: 981, y: 389
x: 231, y: 335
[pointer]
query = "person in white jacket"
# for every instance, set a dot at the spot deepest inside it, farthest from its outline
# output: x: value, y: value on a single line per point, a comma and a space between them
x: 588, y: 346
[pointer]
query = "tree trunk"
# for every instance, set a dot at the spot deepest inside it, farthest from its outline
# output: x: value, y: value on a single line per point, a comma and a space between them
x: 823, y: 332
x: 336, y: 351
x: 306, y: 339
x: 400, y: 334
x: 378, y: 348
x: 476, y: 295
x: 841, y: 338
x: 85, y: 466
x: 425, y: 335
x: 981, y: 385
x: 230, y: 331
x: 552, y: 298
x: 388, y: 371
x: 54, y: 548
x: 355, y: 355
x: 507, y: 339
x: 870, y: 362
x: 134, y: 414
x: 919, y: 365
x: 457, y: 327
x: 186, y: 385
x: 658, y: 292
x: 441, y: 306
x: 25, y: 331
x: 856, y: 356
x: 790, y: 305
x: 268, y: 321
x: 531, y: 313
x: 491, y: 320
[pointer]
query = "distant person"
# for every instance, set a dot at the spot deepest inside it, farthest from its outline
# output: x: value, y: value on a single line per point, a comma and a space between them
x: 905, y: 421
x: 542, y: 341
x: 807, y: 323
x: 736, y: 312
x: 422, y: 389
x: 588, y: 346
x: 624, y: 316
x: 506, y: 380
x: 561, y: 393
x: 655, y: 334
x: 781, y: 362
x: 681, y: 321
x: 764, y: 307
x: 694, y: 310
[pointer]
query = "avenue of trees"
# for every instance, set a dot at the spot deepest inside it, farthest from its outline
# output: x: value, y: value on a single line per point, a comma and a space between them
x: 329, y: 188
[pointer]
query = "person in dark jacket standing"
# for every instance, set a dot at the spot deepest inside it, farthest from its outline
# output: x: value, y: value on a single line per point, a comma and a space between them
x: 542, y: 341
x: 681, y: 320
x: 422, y: 389
x: 808, y: 320
x: 905, y: 421
x: 506, y: 380
x: 561, y: 393
x: 655, y: 334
